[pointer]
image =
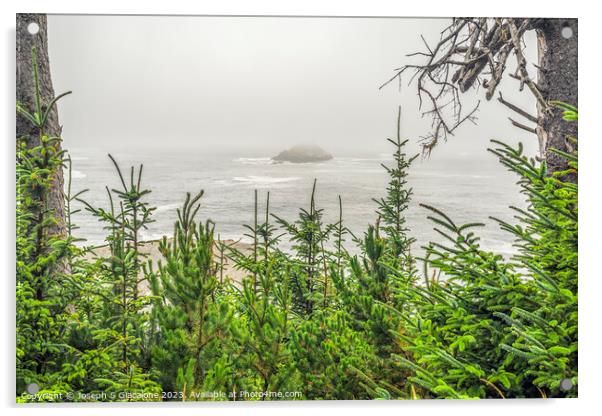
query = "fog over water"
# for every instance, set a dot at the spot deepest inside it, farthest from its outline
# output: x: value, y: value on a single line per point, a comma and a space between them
x: 204, y: 102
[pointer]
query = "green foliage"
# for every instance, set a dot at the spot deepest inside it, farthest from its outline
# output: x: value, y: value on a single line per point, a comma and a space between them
x: 38, y: 117
x: 329, y: 354
x: 391, y: 209
x: 190, y: 322
x: 122, y: 317
x: 494, y: 327
x: 42, y: 290
x: 309, y: 270
x: 106, y: 324
x: 266, y: 313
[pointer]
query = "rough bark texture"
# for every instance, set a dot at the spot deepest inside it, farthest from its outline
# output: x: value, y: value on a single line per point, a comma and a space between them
x: 557, y: 79
x: 26, y: 95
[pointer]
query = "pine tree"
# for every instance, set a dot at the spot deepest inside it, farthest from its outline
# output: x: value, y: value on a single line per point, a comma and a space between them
x: 192, y: 322
x: 117, y: 327
x: 43, y: 290
x: 121, y: 273
x: 384, y: 270
x: 313, y: 319
x: 495, y: 327
x: 392, y: 208
x: 265, y: 304
x: 309, y: 268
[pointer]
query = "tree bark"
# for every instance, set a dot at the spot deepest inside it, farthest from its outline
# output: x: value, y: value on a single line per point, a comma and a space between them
x: 25, y: 89
x: 557, y: 79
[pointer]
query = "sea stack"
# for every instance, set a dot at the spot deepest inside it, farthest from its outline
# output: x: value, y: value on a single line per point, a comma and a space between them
x: 303, y: 154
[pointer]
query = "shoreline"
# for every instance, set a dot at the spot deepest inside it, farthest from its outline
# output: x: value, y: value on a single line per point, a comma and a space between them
x: 150, y: 251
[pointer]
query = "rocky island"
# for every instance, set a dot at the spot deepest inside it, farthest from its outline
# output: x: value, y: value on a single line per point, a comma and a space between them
x: 303, y: 154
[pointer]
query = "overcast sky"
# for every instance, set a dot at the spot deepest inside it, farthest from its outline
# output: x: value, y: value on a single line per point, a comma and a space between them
x: 244, y: 83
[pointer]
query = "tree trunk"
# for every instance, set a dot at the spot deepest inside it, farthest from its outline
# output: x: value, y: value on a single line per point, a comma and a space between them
x: 26, y: 96
x: 557, y: 79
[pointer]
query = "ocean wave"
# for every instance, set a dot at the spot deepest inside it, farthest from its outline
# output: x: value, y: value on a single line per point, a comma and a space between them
x: 264, y: 180
x: 262, y: 161
x: 145, y: 235
x: 76, y: 174
x: 223, y: 182
x: 451, y: 175
x: 254, y: 160
x: 362, y: 159
x: 167, y: 207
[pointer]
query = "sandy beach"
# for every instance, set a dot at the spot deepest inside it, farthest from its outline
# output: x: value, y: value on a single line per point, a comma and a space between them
x: 150, y: 250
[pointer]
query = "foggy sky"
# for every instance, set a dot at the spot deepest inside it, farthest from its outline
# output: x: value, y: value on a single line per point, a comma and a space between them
x: 252, y: 83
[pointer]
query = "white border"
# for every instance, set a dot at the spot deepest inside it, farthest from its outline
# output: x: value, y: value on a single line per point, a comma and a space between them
x: 590, y: 201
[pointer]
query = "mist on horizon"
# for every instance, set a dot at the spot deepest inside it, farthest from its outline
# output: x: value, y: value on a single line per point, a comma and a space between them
x: 252, y: 85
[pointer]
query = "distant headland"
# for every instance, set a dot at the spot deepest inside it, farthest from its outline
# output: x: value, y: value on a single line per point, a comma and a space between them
x: 303, y: 154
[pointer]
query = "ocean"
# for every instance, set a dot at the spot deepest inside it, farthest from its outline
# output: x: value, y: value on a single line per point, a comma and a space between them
x: 466, y: 188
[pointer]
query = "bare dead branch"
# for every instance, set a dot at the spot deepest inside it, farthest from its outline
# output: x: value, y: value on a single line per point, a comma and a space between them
x: 522, y: 126
x: 516, y: 109
x: 470, y: 52
x: 522, y: 66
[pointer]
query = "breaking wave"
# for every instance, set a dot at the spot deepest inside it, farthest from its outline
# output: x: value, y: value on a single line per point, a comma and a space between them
x: 254, y: 160
x: 263, y: 180
x: 76, y: 174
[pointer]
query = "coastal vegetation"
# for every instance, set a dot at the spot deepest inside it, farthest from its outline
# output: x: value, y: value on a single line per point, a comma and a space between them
x: 318, y: 321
